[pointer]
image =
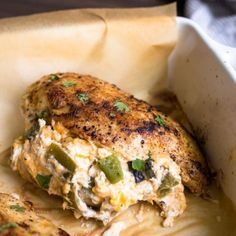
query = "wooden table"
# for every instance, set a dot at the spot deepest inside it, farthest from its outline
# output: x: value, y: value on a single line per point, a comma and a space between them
x: 9, y: 8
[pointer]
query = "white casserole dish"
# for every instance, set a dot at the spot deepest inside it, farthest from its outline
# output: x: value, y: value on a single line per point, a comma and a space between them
x: 37, y: 45
x: 202, y: 73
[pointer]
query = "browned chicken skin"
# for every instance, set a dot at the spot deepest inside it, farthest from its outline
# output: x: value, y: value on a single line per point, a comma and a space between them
x: 17, y: 218
x: 89, y: 108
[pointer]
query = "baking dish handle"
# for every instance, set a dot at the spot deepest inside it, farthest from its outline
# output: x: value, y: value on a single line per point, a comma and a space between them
x: 225, y: 54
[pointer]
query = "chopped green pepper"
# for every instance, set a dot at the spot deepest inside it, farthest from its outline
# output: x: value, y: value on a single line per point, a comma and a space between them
x: 112, y: 169
x: 168, y: 182
x: 64, y: 159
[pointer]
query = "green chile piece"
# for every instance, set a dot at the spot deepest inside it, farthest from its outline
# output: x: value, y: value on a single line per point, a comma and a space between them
x: 64, y: 159
x: 112, y: 169
x: 166, y: 185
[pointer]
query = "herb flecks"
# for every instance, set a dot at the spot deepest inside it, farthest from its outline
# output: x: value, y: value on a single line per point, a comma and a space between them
x: 160, y: 121
x: 83, y: 97
x: 17, y: 208
x: 142, y: 170
x: 121, y: 107
x: 43, y: 180
x: 138, y: 165
x: 54, y: 77
x: 68, y: 84
x: 7, y: 226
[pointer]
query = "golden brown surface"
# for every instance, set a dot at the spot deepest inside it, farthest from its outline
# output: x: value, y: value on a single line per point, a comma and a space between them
x: 133, y: 133
x: 26, y: 221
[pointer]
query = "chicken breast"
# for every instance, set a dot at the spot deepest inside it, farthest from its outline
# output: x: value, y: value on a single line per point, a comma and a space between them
x: 18, y: 218
x: 102, y: 150
x: 97, y: 118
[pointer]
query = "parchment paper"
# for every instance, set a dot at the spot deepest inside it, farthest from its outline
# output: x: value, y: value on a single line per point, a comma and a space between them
x: 128, y: 47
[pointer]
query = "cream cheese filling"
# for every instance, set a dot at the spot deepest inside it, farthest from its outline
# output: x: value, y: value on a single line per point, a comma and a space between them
x: 94, y: 195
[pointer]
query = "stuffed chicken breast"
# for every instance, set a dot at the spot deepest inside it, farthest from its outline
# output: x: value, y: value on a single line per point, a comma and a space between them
x: 102, y: 150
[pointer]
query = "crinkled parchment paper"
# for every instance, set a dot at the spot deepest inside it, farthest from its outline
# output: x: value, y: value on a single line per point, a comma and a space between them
x: 128, y: 47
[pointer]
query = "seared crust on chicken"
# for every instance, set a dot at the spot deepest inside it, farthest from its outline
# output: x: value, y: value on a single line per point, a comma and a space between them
x: 18, y: 218
x: 109, y: 117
